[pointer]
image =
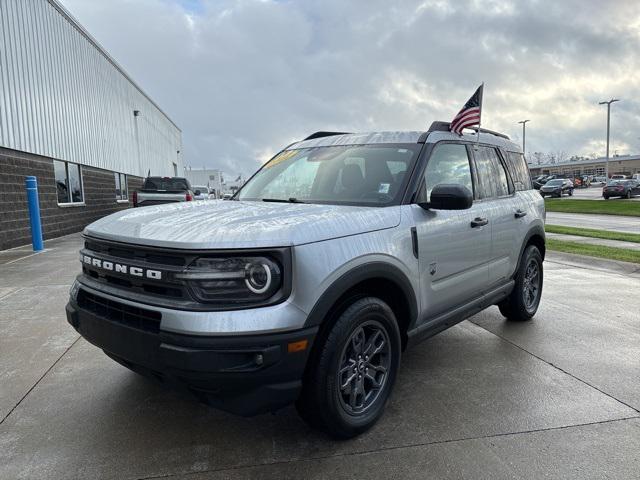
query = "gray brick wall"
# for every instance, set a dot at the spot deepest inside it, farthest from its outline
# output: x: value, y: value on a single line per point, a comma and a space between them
x: 99, y: 191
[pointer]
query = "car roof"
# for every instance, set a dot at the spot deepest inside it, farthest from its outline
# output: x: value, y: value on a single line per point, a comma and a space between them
x: 369, y: 138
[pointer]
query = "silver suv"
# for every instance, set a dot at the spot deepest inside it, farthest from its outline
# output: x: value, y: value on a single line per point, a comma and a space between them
x: 339, y: 253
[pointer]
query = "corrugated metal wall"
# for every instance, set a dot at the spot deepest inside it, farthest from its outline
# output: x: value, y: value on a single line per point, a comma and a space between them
x: 63, y: 97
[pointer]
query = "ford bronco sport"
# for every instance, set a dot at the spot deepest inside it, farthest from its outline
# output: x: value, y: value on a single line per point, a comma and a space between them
x: 306, y: 287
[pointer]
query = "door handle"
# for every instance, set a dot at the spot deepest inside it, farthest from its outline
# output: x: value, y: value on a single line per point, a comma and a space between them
x: 520, y: 213
x: 479, y: 222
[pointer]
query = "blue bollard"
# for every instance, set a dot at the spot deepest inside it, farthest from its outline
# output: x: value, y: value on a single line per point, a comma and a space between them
x: 34, y: 213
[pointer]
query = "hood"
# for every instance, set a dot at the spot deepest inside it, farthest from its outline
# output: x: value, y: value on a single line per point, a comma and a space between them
x: 233, y: 224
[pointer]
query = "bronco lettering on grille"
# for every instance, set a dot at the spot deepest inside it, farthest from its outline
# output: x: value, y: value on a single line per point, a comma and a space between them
x: 122, y: 268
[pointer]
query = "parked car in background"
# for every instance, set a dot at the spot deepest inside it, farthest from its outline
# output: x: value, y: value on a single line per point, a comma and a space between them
x: 601, y: 180
x: 636, y: 176
x: 621, y: 188
x: 539, y: 181
x: 583, y: 181
x: 618, y: 177
x: 557, y: 187
x: 159, y: 190
x: 201, y: 192
x: 227, y: 196
x: 545, y: 178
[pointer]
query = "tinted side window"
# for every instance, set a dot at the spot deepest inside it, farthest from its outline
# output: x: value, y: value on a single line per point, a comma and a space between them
x: 492, y: 178
x: 449, y: 163
x: 519, y: 171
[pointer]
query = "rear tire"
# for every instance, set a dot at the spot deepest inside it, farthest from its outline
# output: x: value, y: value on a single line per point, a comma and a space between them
x: 606, y: 197
x: 522, y: 304
x: 571, y: 193
x: 350, y: 377
x: 628, y: 195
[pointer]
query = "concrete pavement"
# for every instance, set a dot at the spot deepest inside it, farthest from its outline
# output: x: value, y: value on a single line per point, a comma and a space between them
x: 557, y: 397
x: 615, y: 223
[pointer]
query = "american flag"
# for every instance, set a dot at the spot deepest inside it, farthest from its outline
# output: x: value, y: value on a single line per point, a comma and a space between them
x: 470, y: 114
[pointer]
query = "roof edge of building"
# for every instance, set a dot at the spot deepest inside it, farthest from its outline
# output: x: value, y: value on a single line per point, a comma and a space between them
x: 83, y: 31
x: 621, y: 158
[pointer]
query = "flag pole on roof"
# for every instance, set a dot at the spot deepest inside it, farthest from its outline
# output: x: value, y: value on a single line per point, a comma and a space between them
x: 470, y: 115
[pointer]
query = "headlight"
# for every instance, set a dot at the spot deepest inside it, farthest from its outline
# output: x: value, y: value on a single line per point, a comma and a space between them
x: 234, y: 281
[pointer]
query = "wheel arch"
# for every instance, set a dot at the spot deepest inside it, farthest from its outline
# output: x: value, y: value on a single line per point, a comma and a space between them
x: 535, y: 236
x: 378, y: 279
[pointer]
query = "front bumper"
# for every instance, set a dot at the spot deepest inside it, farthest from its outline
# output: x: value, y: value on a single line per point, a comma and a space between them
x: 245, y: 375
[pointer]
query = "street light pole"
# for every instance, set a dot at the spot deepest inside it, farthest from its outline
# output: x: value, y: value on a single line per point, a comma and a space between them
x: 524, y: 136
x: 608, y: 104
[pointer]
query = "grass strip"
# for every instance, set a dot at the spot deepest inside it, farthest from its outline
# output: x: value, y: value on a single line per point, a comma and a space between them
x: 611, y: 253
x: 593, y: 233
x: 611, y: 207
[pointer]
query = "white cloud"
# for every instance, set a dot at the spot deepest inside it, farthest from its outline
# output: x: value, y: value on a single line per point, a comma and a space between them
x: 244, y: 78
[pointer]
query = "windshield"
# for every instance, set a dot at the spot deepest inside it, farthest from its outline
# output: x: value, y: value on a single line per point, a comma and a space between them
x: 551, y: 183
x: 351, y: 175
x: 166, y: 184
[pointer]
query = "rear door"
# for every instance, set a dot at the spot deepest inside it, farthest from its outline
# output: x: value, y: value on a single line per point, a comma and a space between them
x: 453, y: 246
x: 496, y: 192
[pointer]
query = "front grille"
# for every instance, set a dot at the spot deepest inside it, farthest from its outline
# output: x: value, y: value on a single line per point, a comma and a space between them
x: 168, y: 263
x: 134, y: 317
x: 132, y: 252
x: 139, y: 286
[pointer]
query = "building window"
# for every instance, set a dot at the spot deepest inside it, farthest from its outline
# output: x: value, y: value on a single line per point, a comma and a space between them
x: 68, y: 182
x: 122, y: 194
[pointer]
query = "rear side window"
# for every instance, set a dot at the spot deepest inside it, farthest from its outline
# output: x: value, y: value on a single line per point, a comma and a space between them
x: 166, y: 184
x: 492, y: 178
x: 519, y: 171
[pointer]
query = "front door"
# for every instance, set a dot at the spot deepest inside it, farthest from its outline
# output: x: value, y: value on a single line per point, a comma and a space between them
x: 453, y: 245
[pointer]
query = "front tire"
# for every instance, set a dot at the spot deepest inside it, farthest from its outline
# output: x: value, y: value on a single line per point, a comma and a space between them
x: 350, y: 377
x: 522, y: 304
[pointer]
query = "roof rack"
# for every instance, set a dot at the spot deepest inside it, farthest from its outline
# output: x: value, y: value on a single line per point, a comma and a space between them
x: 444, y: 127
x: 324, y: 134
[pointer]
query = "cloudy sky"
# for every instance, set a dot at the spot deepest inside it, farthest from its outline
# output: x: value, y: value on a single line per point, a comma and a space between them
x: 242, y: 78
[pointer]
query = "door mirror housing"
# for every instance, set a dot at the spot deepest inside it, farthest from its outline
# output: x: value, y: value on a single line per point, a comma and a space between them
x: 449, y: 197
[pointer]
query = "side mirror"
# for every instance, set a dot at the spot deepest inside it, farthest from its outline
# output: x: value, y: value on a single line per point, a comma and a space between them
x: 197, y: 193
x: 449, y: 197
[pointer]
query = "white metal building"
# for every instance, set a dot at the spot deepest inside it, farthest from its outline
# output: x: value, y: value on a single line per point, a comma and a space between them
x: 70, y: 115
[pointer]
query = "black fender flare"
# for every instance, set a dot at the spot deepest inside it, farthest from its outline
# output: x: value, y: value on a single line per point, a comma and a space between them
x: 359, y: 274
x: 535, y: 230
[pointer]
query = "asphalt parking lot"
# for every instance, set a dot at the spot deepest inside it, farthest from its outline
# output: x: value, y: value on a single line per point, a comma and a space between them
x: 558, y: 397
x: 595, y: 193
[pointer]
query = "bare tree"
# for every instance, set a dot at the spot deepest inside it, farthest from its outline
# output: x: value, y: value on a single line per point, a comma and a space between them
x: 538, y: 157
x: 561, y: 156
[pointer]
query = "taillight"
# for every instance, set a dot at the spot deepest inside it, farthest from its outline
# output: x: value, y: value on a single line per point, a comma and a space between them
x: 135, y: 199
x: 188, y: 197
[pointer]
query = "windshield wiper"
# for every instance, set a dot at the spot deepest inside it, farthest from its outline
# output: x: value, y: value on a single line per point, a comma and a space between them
x: 283, y: 200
